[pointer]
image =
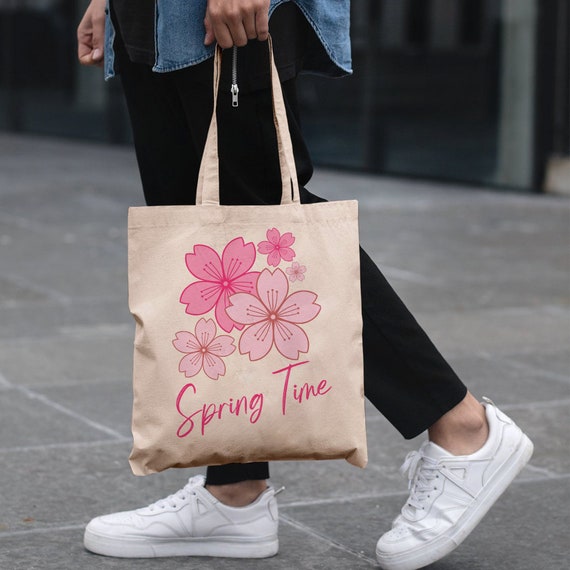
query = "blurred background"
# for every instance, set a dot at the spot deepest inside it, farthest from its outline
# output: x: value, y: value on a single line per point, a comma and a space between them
x: 453, y: 105
x: 475, y: 91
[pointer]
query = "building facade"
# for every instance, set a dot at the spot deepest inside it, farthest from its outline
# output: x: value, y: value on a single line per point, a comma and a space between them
x: 465, y: 90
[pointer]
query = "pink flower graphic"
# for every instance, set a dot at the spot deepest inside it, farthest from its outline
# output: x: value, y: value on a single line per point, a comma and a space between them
x: 272, y: 317
x: 219, y: 278
x: 296, y: 272
x: 277, y: 247
x: 203, y: 350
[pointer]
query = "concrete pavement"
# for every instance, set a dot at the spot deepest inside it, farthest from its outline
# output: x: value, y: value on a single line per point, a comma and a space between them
x: 487, y: 273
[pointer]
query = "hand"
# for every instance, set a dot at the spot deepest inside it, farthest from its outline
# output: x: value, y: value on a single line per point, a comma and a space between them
x: 234, y: 22
x: 91, y: 34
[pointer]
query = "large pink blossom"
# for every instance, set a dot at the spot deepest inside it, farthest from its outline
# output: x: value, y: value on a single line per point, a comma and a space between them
x: 272, y: 317
x: 219, y: 278
x: 203, y: 350
x: 277, y: 247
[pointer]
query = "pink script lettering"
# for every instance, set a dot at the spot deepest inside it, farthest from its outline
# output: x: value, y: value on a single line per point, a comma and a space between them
x: 304, y: 391
x: 252, y: 406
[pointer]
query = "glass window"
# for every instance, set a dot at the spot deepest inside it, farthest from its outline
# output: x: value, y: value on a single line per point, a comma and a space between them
x: 441, y: 89
x: 467, y: 90
x: 42, y: 88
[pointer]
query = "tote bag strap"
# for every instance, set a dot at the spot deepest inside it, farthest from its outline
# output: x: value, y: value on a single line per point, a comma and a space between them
x: 208, y: 189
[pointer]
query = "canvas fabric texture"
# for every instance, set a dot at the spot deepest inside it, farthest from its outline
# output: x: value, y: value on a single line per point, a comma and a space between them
x: 248, y: 319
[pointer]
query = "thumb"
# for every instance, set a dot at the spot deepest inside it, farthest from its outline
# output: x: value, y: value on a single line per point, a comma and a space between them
x: 210, y: 37
x: 98, y: 39
x: 97, y: 55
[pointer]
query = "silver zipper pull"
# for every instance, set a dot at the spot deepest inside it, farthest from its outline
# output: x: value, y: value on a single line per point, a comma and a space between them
x: 235, y: 89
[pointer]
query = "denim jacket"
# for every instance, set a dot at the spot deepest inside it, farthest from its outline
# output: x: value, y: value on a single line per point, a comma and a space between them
x: 180, y: 34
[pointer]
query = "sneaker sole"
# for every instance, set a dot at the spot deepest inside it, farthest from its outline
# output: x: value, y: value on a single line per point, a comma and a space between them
x: 215, y: 547
x: 451, y: 540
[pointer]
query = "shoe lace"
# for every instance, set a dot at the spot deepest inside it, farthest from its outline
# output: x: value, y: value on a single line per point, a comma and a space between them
x: 180, y: 495
x: 421, y: 472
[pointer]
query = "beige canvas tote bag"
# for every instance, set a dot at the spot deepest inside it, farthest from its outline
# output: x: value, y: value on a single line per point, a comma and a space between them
x: 248, y: 325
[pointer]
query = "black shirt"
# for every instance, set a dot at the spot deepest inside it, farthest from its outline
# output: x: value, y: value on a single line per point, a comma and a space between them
x: 134, y: 23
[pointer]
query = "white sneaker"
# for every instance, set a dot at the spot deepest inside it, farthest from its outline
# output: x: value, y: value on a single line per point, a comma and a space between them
x: 190, y: 522
x: 450, y: 494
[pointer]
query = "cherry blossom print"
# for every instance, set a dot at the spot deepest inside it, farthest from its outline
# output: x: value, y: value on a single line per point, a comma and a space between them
x: 218, y: 279
x: 203, y: 349
x: 272, y: 316
x: 277, y: 247
x: 296, y: 272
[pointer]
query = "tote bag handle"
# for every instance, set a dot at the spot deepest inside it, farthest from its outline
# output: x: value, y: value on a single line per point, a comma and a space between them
x: 208, y: 189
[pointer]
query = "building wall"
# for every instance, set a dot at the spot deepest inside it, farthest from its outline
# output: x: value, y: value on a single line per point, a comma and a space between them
x: 470, y: 90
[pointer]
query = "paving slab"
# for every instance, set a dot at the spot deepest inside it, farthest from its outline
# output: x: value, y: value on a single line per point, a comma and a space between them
x: 29, y: 314
x: 28, y: 419
x: 101, y: 352
x: 496, y: 332
x: 98, y: 270
x: 107, y: 403
x: 63, y: 551
x: 497, y: 376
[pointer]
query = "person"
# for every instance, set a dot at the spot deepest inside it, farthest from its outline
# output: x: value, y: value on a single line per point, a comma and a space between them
x: 162, y: 54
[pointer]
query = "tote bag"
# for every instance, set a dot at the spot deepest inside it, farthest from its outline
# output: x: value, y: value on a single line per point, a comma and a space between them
x: 248, y: 324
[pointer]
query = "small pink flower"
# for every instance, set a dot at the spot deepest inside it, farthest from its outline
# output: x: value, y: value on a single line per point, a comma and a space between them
x: 218, y: 279
x: 203, y: 350
x: 272, y: 316
x: 277, y: 247
x: 296, y: 272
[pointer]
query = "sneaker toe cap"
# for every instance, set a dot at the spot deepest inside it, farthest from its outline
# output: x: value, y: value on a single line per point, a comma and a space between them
x: 397, y: 540
x: 110, y: 524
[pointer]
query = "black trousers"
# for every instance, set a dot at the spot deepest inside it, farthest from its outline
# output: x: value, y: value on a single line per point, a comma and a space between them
x: 406, y: 378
